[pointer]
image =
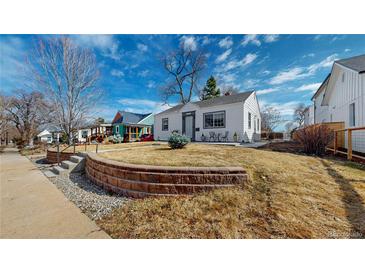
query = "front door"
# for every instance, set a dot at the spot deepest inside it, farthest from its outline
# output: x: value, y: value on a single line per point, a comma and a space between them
x: 189, y: 125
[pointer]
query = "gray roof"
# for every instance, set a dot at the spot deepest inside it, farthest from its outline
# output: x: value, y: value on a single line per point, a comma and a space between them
x: 356, y: 63
x: 131, y: 118
x: 217, y: 101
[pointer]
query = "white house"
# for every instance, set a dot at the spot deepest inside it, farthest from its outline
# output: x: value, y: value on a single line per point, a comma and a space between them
x: 309, y: 116
x: 341, y: 97
x: 232, y: 118
x: 45, y: 137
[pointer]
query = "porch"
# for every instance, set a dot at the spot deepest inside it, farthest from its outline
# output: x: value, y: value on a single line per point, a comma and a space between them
x: 133, y: 132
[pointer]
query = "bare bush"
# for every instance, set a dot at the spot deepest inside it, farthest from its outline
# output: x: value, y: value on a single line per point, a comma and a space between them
x: 314, y: 138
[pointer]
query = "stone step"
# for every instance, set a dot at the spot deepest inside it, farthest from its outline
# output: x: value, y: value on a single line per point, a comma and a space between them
x: 68, y: 165
x: 76, y: 159
x: 50, y: 174
x: 58, y: 170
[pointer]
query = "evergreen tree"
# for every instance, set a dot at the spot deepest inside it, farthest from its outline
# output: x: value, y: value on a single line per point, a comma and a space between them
x: 210, y: 89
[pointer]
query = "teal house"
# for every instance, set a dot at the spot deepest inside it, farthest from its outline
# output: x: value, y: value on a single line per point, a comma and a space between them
x: 131, y: 125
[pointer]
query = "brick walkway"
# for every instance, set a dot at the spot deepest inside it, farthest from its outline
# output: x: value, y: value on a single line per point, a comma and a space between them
x: 32, y: 207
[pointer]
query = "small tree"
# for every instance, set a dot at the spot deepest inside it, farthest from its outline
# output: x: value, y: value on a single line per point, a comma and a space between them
x: 229, y: 90
x: 314, y: 138
x: 270, y: 119
x: 299, y: 114
x: 210, y: 89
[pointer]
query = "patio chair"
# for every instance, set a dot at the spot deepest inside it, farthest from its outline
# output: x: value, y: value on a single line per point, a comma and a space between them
x: 219, y: 135
x: 212, y: 136
x: 225, y: 136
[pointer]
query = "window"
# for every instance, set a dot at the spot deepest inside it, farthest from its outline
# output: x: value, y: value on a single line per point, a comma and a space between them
x: 352, y: 115
x: 215, y: 119
x: 165, y: 124
x: 84, y: 134
x: 343, y: 77
x: 117, y: 129
x: 249, y: 120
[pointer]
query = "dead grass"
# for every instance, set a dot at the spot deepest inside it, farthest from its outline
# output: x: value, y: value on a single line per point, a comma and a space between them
x: 288, y: 196
x: 92, y: 147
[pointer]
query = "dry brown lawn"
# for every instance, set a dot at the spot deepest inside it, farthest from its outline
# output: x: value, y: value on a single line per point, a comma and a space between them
x: 92, y: 147
x: 288, y: 196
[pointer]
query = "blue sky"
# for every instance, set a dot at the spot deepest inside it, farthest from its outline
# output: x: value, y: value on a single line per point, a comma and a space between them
x: 284, y: 69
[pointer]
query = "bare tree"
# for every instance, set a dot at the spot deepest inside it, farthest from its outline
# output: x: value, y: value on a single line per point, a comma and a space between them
x: 184, y: 67
x: 67, y: 75
x: 270, y: 119
x: 299, y: 114
x: 229, y: 90
x: 27, y: 111
x: 4, y: 117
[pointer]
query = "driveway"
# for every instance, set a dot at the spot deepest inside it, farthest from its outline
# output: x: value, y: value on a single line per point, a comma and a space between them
x: 32, y: 207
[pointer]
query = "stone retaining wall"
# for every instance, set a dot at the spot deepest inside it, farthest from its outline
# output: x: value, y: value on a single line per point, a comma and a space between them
x: 52, y: 156
x: 139, y: 181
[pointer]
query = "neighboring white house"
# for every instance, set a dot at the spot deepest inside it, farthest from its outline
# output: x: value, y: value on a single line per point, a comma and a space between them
x: 309, y: 116
x: 341, y: 97
x: 88, y: 133
x: 236, y: 117
x: 45, y: 136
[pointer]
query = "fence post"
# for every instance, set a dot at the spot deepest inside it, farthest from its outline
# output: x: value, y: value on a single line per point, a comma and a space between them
x: 349, y: 144
x: 85, y: 146
x: 97, y: 148
x: 335, y: 143
x: 58, y: 154
x: 74, y: 147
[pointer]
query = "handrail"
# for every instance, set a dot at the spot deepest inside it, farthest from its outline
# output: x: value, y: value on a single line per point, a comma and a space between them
x: 349, y: 152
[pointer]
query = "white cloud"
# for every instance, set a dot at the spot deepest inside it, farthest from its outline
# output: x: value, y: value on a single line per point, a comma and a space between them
x: 107, y: 44
x: 206, y: 40
x: 270, y: 38
x: 251, y: 39
x: 223, y: 56
x: 248, y: 59
x: 347, y: 50
x: 311, y: 87
x: 188, y: 42
x: 117, y: 73
x: 285, y: 109
x: 226, y: 42
x: 143, y: 73
x: 151, y: 84
x: 250, y: 83
x: 308, y: 55
x: 266, y: 91
x: 288, y: 75
x: 266, y: 72
x: 227, y: 78
x: 142, y: 47
x: 142, y: 105
x: 328, y: 62
x: 300, y: 73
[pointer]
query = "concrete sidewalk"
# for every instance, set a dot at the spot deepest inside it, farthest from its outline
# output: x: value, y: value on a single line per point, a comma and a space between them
x: 32, y: 207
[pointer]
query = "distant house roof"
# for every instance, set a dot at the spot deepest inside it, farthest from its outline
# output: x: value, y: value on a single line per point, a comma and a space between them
x: 356, y: 63
x: 127, y: 117
x: 217, y: 101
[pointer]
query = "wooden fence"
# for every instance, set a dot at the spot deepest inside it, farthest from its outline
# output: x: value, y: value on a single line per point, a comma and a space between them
x: 332, y: 126
x: 339, y: 147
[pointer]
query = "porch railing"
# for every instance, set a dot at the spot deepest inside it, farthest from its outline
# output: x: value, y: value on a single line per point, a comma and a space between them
x: 345, y: 140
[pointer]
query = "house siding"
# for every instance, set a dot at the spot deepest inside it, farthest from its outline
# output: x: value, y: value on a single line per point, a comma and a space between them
x: 251, y: 106
x: 352, y: 90
x: 234, y: 117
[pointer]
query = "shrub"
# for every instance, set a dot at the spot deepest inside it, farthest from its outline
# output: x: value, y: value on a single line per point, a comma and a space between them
x: 116, y: 139
x: 177, y: 141
x: 314, y: 138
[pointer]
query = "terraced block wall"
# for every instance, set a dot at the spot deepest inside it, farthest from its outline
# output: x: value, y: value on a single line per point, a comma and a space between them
x: 139, y: 181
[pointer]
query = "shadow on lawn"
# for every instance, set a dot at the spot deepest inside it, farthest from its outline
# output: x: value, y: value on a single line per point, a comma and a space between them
x: 354, y: 206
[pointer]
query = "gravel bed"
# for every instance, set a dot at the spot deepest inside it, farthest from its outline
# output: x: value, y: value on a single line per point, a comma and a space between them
x: 93, y: 200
